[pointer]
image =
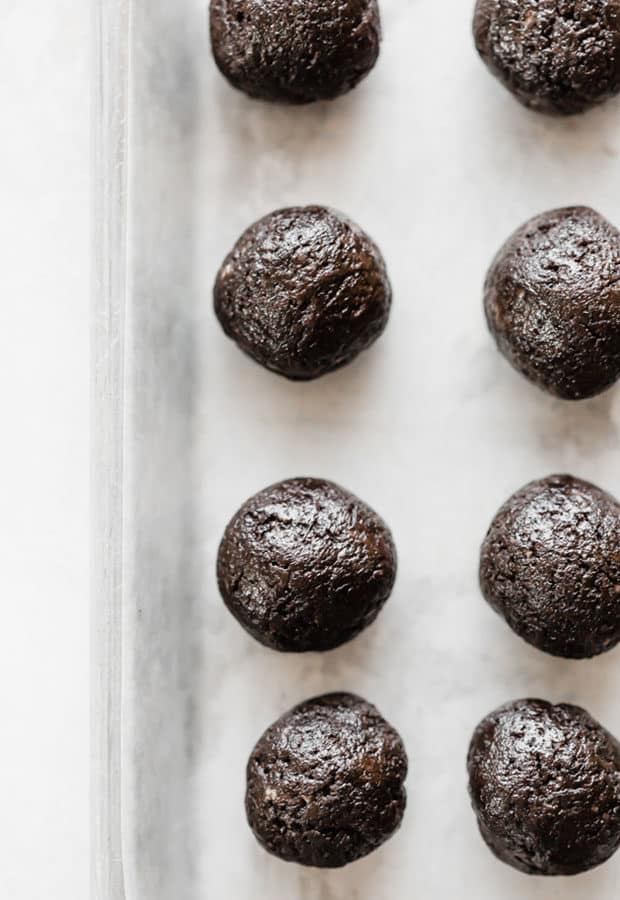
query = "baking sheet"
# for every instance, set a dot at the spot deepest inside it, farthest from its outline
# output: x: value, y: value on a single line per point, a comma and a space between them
x: 431, y: 427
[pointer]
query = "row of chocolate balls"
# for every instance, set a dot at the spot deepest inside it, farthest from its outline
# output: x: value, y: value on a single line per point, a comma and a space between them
x: 305, y: 290
x: 326, y: 785
x: 304, y: 565
x: 555, y: 57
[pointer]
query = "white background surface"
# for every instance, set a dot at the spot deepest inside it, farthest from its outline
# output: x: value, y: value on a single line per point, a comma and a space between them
x: 406, y: 155
x: 431, y: 427
x: 44, y: 390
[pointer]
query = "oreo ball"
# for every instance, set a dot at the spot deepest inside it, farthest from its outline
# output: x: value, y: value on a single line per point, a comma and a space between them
x: 556, y: 56
x: 325, y: 783
x: 305, y: 565
x: 303, y: 292
x: 550, y: 566
x: 295, y: 52
x: 544, y: 783
x: 552, y: 302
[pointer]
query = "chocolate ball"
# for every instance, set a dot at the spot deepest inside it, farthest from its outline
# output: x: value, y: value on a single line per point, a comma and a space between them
x: 295, y: 52
x: 552, y: 302
x: 305, y: 565
x: 550, y: 566
x: 303, y: 292
x: 325, y: 783
x: 556, y: 56
x: 544, y: 783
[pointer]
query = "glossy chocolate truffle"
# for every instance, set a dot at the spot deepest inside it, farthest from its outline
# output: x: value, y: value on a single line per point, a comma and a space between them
x: 325, y: 783
x: 544, y: 783
x: 303, y: 292
x: 556, y: 56
x: 295, y: 52
x: 550, y: 566
x: 552, y: 302
x: 305, y: 565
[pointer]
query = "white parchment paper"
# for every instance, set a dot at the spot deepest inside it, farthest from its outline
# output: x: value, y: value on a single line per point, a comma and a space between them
x: 431, y: 427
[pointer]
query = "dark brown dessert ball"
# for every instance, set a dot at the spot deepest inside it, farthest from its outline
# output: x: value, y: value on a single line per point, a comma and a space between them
x: 544, y: 783
x: 325, y: 783
x: 305, y: 565
x: 295, y: 52
x: 550, y: 566
x: 556, y: 56
x: 552, y: 302
x: 303, y: 292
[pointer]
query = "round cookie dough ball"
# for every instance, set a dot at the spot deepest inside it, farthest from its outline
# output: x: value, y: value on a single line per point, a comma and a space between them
x: 325, y: 783
x: 552, y: 302
x: 556, y: 56
x: 295, y: 52
x: 305, y: 565
x: 303, y: 292
x: 544, y: 783
x: 550, y: 566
